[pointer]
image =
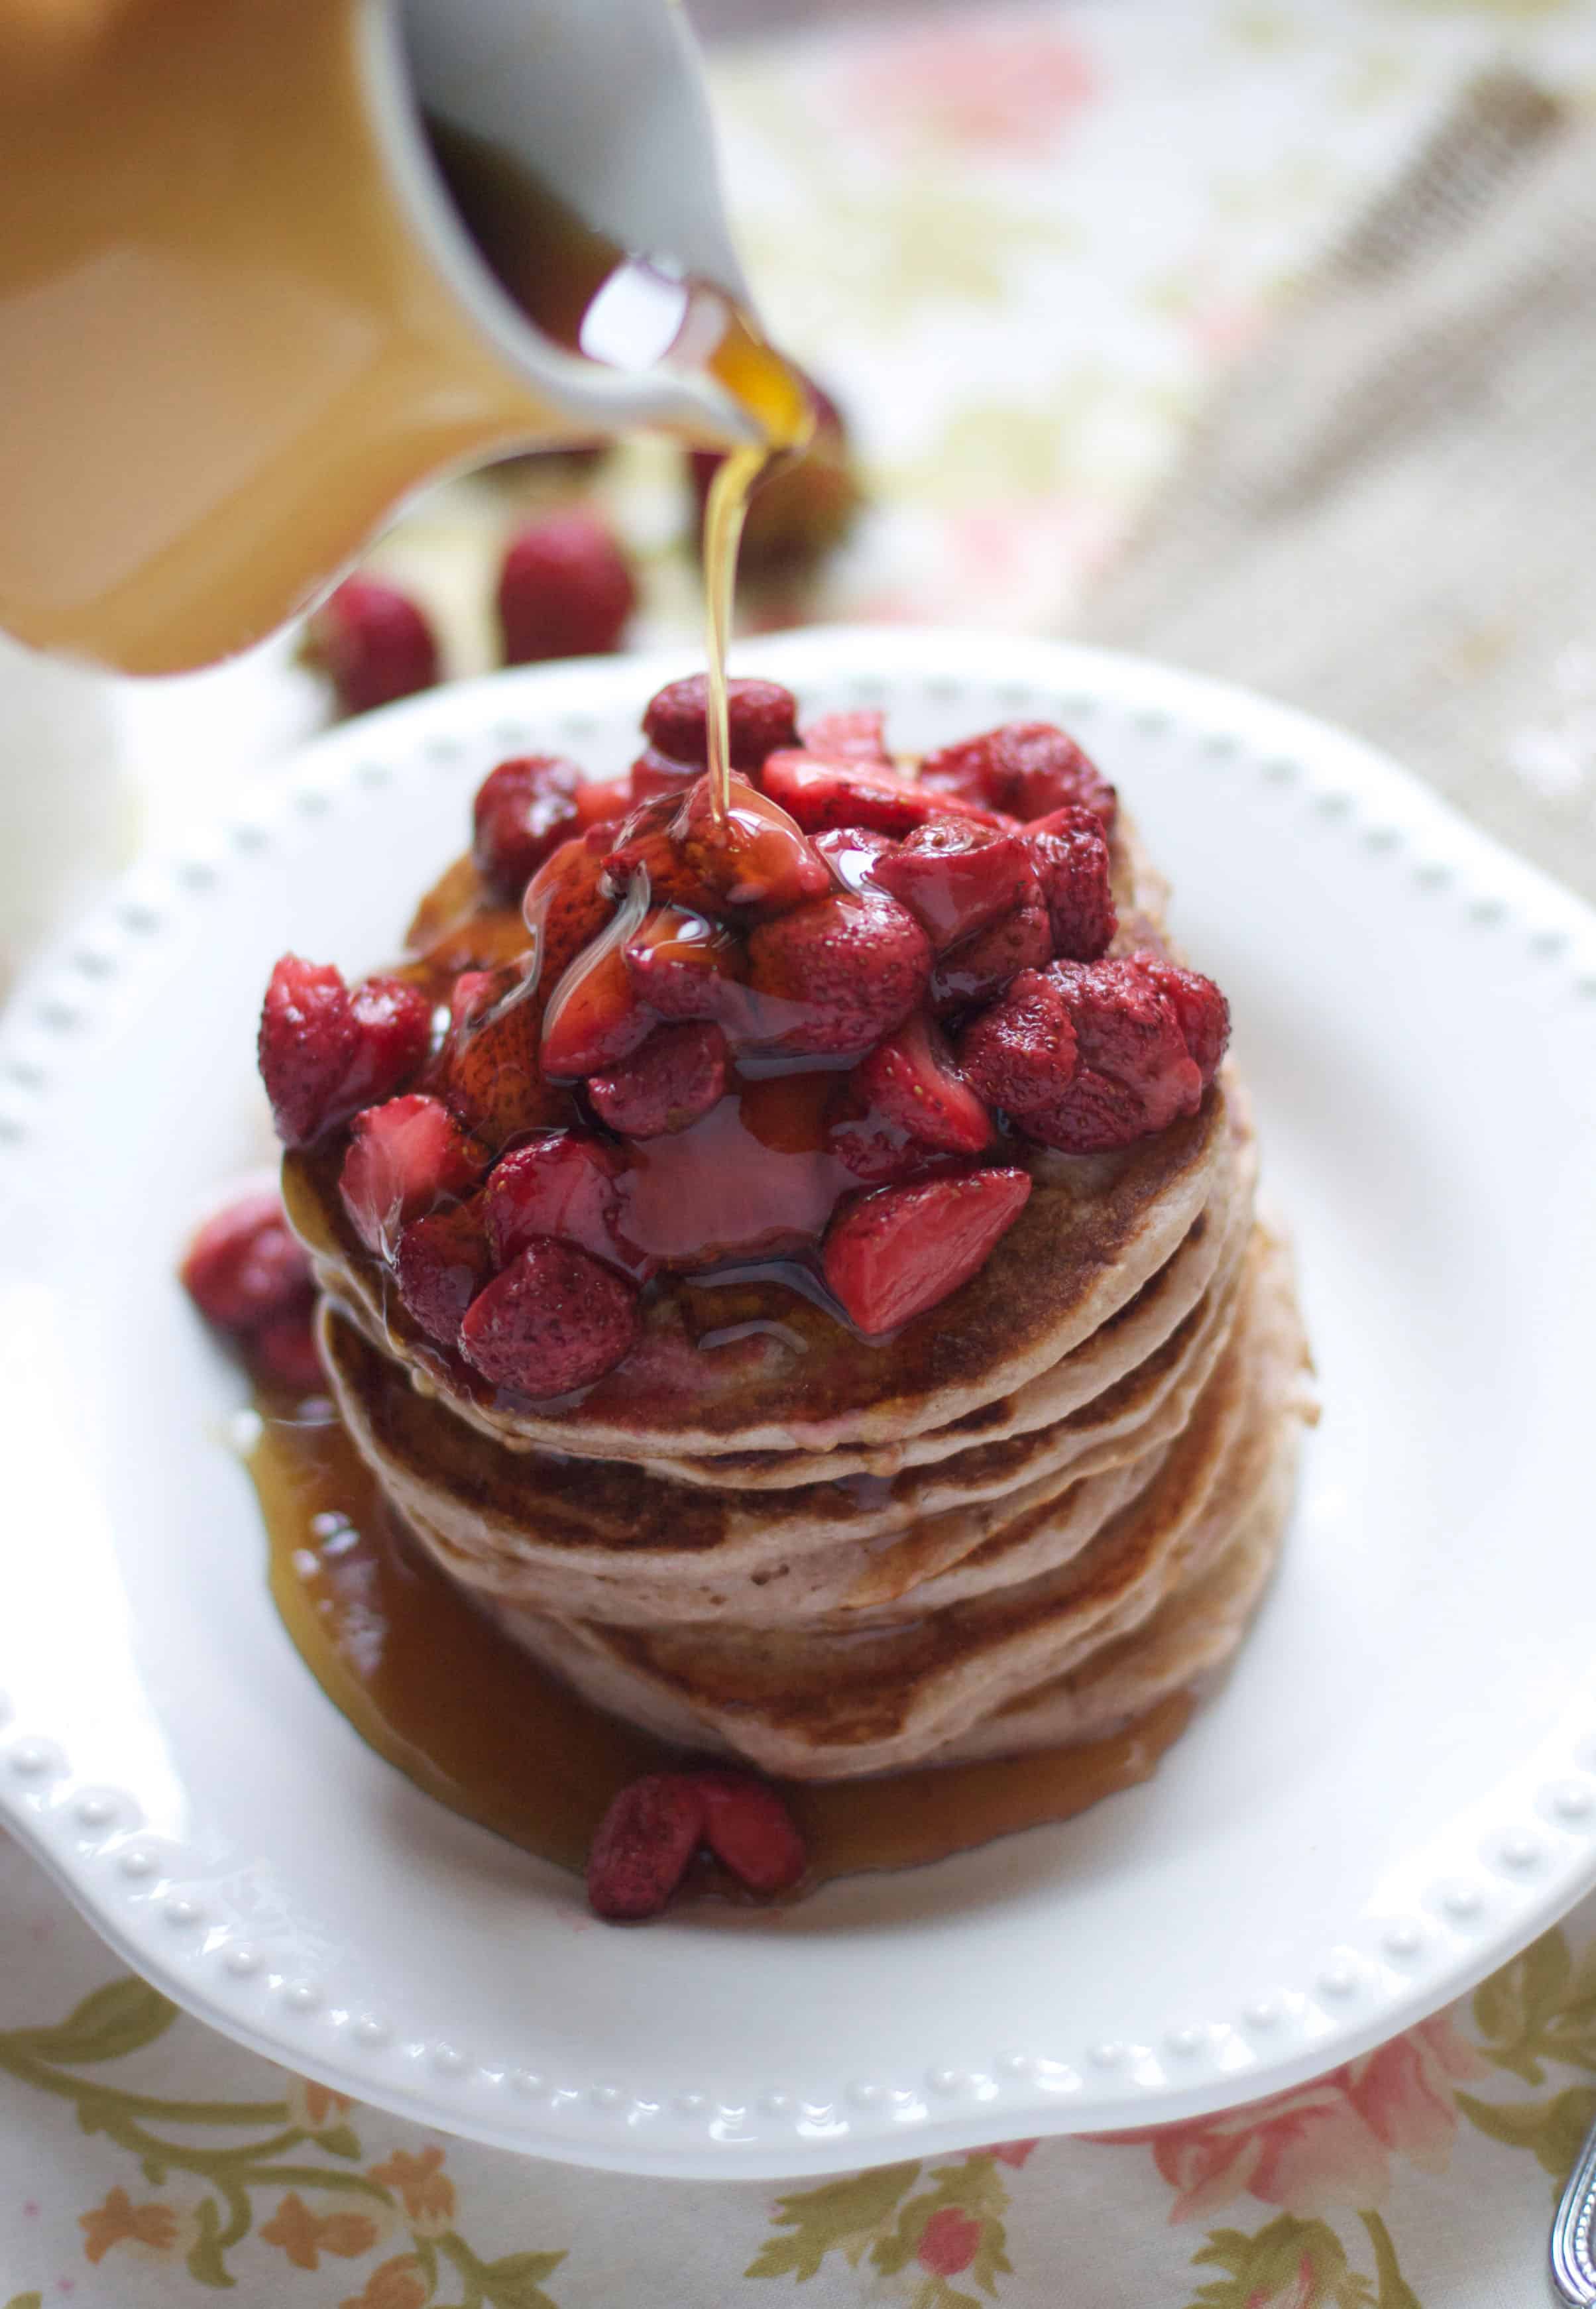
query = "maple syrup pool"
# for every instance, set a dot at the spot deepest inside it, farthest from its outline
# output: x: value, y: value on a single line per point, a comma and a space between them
x: 437, y: 1689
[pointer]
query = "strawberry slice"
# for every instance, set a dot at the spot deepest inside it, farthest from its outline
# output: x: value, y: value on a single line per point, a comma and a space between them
x: 595, y: 1016
x: 679, y: 1075
x: 1027, y: 769
x: 324, y: 1052
x: 979, y: 967
x: 685, y: 967
x: 819, y: 792
x: 522, y: 811
x: 760, y: 716
x: 403, y: 1157
x: 440, y: 1263
x: 244, y: 1269
x: 851, y: 852
x: 891, y: 1255
x: 1070, y: 851
x: 566, y: 903
x: 836, y: 974
x: 654, y: 773
x: 565, y: 1186
x: 855, y: 737
x: 492, y: 1083
x: 1021, y: 1053
x: 750, y: 1832
x: 955, y: 876
x: 554, y: 1320
x: 911, y: 1080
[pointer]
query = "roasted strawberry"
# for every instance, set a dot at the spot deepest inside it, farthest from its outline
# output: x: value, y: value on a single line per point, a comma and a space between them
x: 1203, y: 1013
x: 373, y: 643
x: 685, y: 967
x: 855, y: 737
x: 403, y: 1157
x: 555, y: 1319
x: 522, y: 811
x: 654, y: 773
x: 910, y: 1079
x: 818, y: 793
x: 756, y: 861
x: 978, y: 968
x: 245, y: 1268
x: 955, y: 876
x: 1070, y: 851
x: 440, y: 1263
x: 603, y: 802
x: 878, y: 1152
x: 644, y: 1843
x: 595, y: 1016
x: 1135, y: 1074
x: 323, y: 1051
x: 835, y: 975
x: 761, y: 715
x: 564, y: 1185
x: 565, y: 589
x: 891, y: 1255
x: 568, y: 903
x: 1028, y: 769
x: 750, y: 1832
x: 751, y: 1179
x: 1021, y: 1053
x: 306, y: 1047
x: 851, y: 852
x: 493, y: 1084
x: 679, y: 1073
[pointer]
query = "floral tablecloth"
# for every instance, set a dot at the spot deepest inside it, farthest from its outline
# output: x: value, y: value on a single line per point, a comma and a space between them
x: 1022, y: 244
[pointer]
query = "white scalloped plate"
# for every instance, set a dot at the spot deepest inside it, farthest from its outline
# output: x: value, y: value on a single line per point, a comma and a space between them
x: 1397, y: 1788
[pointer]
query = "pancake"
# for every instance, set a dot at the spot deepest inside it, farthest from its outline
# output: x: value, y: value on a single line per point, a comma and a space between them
x: 832, y: 1701
x: 753, y: 1364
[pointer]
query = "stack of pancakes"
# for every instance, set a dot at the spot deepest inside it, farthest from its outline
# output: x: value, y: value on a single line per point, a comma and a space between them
x: 1022, y: 1521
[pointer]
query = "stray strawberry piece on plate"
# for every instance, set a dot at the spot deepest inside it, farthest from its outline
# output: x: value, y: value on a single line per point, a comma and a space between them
x: 565, y: 589
x: 891, y: 1255
x: 911, y: 1080
x: 245, y: 1267
x: 750, y: 1832
x: 679, y: 1073
x: 522, y: 811
x: 554, y: 1320
x: 373, y: 643
x: 1027, y: 769
x: 644, y: 1843
x: 832, y: 977
x: 440, y: 1264
x: 403, y: 1157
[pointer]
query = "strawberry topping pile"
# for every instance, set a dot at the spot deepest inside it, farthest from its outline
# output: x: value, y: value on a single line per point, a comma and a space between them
x: 834, y: 1024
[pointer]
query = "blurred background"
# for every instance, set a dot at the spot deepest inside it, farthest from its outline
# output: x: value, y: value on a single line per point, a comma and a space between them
x: 1258, y: 334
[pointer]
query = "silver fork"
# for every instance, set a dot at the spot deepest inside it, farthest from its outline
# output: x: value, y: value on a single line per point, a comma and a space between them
x: 1573, y: 2262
